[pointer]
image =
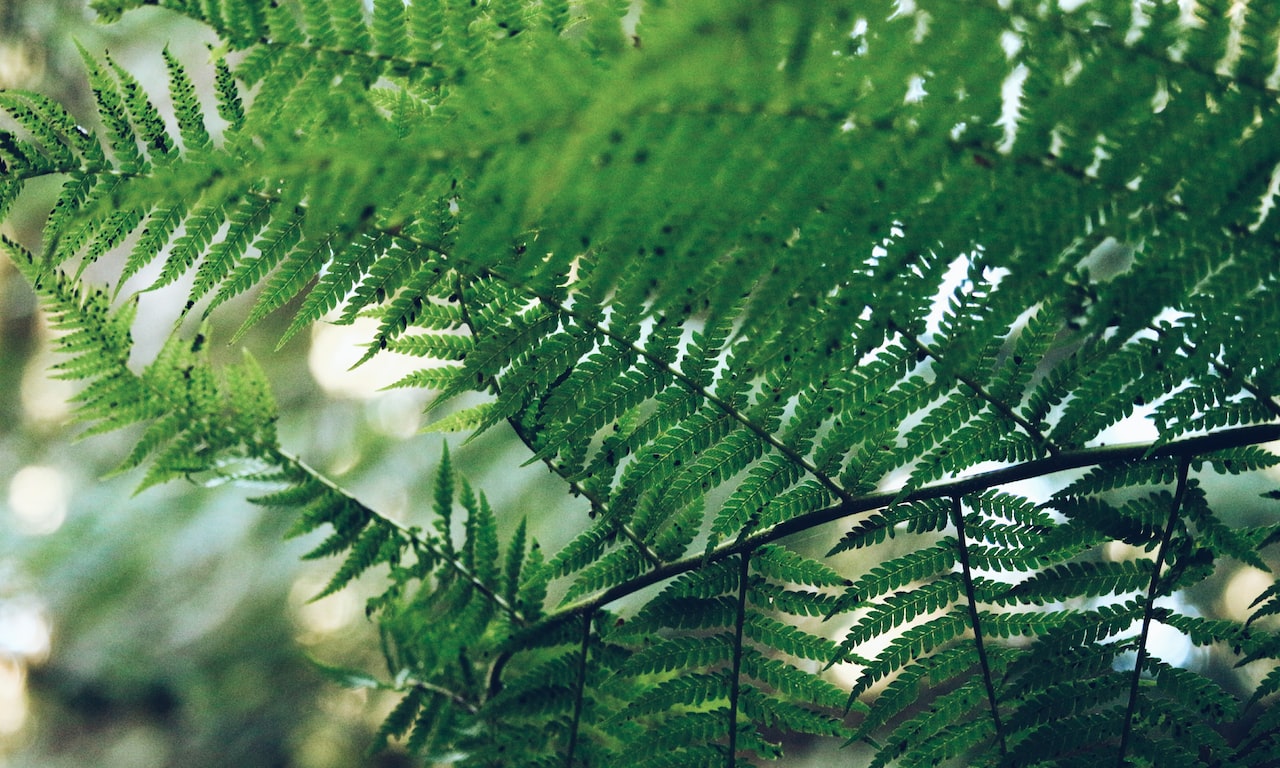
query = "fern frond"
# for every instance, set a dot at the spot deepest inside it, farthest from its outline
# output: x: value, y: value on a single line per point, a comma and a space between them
x: 733, y: 271
x: 791, y: 681
x: 900, y: 608
x: 899, y: 572
x: 784, y: 565
x: 401, y: 717
x: 680, y: 653
x: 942, y: 732
x: 916, y: 517
x: 106, y: 92
x: 913, y: 643
x: 376, y: 544
x: 1092, y: 579
x: 190, y: 116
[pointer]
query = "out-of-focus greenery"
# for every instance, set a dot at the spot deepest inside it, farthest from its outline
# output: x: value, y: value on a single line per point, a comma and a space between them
x: 173, y: 628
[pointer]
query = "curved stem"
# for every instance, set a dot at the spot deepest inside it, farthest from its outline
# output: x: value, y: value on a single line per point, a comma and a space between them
x: 453, y: 696
x: 413, y: 536
x: 579, y: 687
x: 957, y: 519
x: 1153, y: 591
x: 1085, y: 457
x: 526, y: 437
x: 686, y: 381
x: 1002, y: 408
x: 744, y: 574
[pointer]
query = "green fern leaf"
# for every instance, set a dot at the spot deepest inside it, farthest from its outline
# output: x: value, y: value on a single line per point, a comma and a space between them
x: 466, y: 420
x: 480, y: 553
x: 680, y: 653
x: 733, y: 274
x: 941, y: 732
x: 679, y: 613
x: 616, y: 567
x: 195, y: 137
x: 913, y: 643
x: 53, y: 130
x: 142, y: 113
x: 899, y: 572
x: 287, y: 281
x: 791, y: 681
x: 106, y: 92
x: 230, y: 105
x: 693, y: 690
x: 900, y: 608
x: 376, y: 544
x: 784, y: 565
x: 788, y: 639
x: 1083, y: 579
x: 400, y: 718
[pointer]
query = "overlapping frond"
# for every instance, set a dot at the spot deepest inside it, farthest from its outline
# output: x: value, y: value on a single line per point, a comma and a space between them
x: 732, y: 271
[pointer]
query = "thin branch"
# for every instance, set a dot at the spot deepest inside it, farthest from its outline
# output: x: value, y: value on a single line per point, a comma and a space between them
x: 735, y: 681
x: 528, y: 439
x: 1002, y: 408
x: 957, y: 519
x: 1148, y: 610
x: 577, y: 488
x: 579, y: 687
x: 1258, y: 394
x: 453, y: 696
x: 726, y: 407
x: 412, y: 534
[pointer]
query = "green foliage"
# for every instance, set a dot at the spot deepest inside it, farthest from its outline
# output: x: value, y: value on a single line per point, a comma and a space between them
x: 734, y: 271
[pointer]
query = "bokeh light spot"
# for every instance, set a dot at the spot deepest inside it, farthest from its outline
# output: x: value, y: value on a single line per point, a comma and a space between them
x: 38, y: 500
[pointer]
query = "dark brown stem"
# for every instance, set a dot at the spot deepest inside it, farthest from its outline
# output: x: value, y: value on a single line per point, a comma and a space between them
x: 744, y: 577
x: 1148, y: 610
x: 957, y: 519
x: 579, y: 687
x: 1084, y: 457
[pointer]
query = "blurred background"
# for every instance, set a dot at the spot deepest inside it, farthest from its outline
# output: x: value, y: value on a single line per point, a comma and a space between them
x: 173, y: 627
